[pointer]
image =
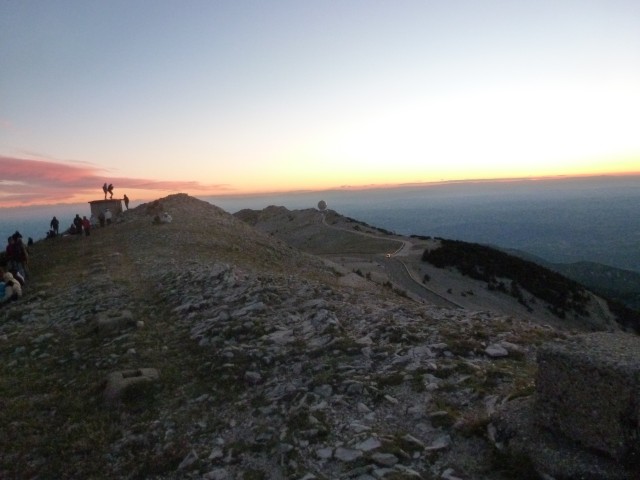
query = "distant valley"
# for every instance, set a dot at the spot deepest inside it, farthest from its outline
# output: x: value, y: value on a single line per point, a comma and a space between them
x: 592, y: 219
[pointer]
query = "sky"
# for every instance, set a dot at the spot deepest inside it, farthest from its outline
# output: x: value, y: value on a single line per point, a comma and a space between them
x: 239, y: 97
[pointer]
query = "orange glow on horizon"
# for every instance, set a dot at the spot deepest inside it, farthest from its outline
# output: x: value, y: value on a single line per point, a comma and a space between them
x: 54, y: 183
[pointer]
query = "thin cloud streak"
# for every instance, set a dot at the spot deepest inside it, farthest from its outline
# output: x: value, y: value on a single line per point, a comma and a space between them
x: 31, y: 182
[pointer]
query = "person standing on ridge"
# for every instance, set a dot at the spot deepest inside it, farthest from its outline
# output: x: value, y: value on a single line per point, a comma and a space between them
x: 110, y: 190
x: 55, y: 224
x: 77, y: 223
x: 126, y: 201
x: 86, y: 226
x: 21, y: 256
x: 104, y: 189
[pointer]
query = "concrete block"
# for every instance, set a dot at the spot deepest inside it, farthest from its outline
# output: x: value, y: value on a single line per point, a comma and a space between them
x: 119, y: 384
x: 588, y: 389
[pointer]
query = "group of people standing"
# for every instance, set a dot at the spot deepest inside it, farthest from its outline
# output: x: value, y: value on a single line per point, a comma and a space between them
x: 13, y: 275
x: 84, y: 224
x: 78, y: 225
x: 109, y: 189
x: 13, y: 278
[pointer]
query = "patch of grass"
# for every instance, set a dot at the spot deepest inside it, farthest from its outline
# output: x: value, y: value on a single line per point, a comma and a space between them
x: 299, y: 421
x: 346, y: 345
x: 447, y: 413
x: 417, y: 382
x: 390, y: 380
x: 254, y: 474
x: 444, y: 371
x: 473, y: 422
x: 464, y: 346
x: 496, y: 376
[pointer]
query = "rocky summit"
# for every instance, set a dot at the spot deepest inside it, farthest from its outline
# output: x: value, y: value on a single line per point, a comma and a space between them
x: 207, y: 348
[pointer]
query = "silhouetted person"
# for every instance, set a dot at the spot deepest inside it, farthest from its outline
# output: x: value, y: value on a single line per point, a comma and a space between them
x: 110, y: 190
x: 126, y: 201
x: 77, y: 222
x: 104, y: 189
x: 86, y: 226
x: 21, y: 255
x: 54, y: 225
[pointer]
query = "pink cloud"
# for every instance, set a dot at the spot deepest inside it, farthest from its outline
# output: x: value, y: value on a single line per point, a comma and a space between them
x: 28, y: 182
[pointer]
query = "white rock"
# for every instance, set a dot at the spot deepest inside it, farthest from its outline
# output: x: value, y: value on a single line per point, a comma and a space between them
x: 324, y: 453
x: 439, y: 444
x: 496, y: 351
x: 308, y: 476
x: 369, y: 444
x: 449, y: 474
x: 347, y: 454
x: 217, y: 474
x: 359, y: 427
x: 189, y: 460
x: 216, y: 453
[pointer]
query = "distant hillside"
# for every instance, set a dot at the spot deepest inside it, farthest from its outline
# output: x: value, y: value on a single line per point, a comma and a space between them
x: 485, y: 278
x: 304, y: 229
x: 514, y: 275
x: 619, y: 285
x: 614, y: 283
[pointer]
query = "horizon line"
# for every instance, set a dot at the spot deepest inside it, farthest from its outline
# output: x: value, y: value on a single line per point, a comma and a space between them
x: 373, y: 186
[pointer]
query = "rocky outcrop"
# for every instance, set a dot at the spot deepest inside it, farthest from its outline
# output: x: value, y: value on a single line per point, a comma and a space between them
x: 350, y: 389
x: 584, y: 419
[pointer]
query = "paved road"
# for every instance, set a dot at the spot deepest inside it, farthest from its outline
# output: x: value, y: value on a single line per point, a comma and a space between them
x: 401, y: 277
x: 399, y: 273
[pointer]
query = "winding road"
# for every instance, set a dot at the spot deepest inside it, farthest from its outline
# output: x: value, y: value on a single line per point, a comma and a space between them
x: 398, y: 271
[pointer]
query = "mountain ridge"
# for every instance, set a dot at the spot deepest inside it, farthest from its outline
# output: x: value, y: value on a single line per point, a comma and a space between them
x: 206, y: 348
x: 302, y: 228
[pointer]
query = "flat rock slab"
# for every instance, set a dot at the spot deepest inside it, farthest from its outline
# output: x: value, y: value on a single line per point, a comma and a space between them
x: 588, y: 389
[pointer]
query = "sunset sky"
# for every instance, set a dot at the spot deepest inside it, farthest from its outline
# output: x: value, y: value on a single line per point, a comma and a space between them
x: 233, y: 97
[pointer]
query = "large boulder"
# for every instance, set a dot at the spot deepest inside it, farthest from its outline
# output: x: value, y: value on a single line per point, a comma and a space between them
x: 583, y: 422
x: 588, y: 389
